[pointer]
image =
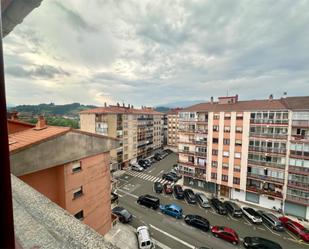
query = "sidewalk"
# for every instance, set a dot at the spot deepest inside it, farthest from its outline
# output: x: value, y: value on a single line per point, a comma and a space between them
x: 240, y: 203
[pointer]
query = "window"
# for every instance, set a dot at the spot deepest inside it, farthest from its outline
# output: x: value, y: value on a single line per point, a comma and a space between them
x: 214, y: 164
x: 225, y: 178
x: 236, y: 168
x: 238, y: 142
x: 226, y: 141
x: 237, y: 155
x: 227, y: 116
x: 226, y: 153
x: 239, y: 116
x: 78, y: 193
x: 213, y: 175
x: 238, y: 129
x: 186, y: 148
x: 76, y: 167
x: 215, y: 152
x: 236, y: 180
x: 227, y: 128
x: 225, y: 166
x: 215, y: 140
x: 79, y: 215
x: 215, y: 128
x: 216, y: 116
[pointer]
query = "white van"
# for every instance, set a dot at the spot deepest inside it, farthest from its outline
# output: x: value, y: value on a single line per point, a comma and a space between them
x: 143, y: 237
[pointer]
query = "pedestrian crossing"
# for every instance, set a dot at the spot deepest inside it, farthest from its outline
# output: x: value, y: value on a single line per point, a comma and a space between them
x: 148, y: 177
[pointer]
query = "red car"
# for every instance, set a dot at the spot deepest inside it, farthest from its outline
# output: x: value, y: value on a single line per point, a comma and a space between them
x: 167, y: 188
x: 296, y: 228
x: 225, y: 233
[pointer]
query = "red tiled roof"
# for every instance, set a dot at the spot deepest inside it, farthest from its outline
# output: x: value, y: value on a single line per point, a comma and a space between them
x: 120, y: 110
x: 174, y: 111
x: 249, y: 105
x: 297, y: 103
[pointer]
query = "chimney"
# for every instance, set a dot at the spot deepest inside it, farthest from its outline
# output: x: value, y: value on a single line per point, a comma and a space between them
x: 118, y: 104
x: 211, y: 99
x: 132, y: 106
x: 129, y: 106
x: 105, y: 105
x: 41, y: 124
x: 271, y: 97
x: 236, y: 98
x: 123, y: 105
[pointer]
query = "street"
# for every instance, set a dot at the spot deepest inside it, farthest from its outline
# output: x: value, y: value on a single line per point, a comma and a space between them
x: 169, y: 232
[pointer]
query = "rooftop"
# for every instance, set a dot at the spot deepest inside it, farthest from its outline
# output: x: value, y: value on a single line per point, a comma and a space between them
x: 174, y: 111
x: 121, y: 110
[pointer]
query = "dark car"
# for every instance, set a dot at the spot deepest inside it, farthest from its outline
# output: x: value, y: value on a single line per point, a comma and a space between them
x: 257, y: 243
x: 178, y: 192
x: 142, y: 164
x: 233, y: 209
x: 168, y: 151
x: 149, y: 201
x: 158, y: 156
x: 158, y: 187
x: 198, y: 222
x: 169, y: 177
x: 225, y: 233
x: 114, y: 198
x: 175, y: 174
x: 218, y: 206
x: 167, y: 188
x: 272, y: 221
x: 123, y: 215
x: 189, y: 196
x: 146, y: 162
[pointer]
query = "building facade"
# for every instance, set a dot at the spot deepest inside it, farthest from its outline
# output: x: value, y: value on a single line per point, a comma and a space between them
x: 254, y: 151
x: 138, y: 130
x: 68, y: 166
x: 172, y: 127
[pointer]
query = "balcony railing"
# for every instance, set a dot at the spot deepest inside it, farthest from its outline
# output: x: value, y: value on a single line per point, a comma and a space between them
x: 296, y: 184
x: 268, y: 164
x: 298, y: 199
x: 264, y: 192
x: 299, y: 170
x: 300, y: 123
x: 269, y: 121
x: 268, y: 150
x: 200, y: 176
x: 201, y: 154
x: 190, y: 152
x: 192, y: 141
x: 265, y: 178
x: 269, y: 135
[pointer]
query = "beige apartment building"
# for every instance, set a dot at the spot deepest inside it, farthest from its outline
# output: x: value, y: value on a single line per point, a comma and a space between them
x: 172, y: 127
x: 138, y: 130
x: 255, y: 151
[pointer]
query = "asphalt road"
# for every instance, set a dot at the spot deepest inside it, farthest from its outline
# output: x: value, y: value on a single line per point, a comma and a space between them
x: 169, y: 232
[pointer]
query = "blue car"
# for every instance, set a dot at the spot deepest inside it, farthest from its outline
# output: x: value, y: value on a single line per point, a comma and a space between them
x: 172, y: 210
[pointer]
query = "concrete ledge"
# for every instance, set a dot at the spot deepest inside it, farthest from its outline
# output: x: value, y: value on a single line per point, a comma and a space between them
x: 40, y: 223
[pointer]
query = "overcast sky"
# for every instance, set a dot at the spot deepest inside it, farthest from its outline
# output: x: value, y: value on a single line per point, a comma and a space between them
x: 157, y: 52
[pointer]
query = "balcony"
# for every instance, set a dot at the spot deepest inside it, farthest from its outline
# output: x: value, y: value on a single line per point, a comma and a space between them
x: 299, y: 170
x: 201, y: 154
x: 267, y: 150
x: 196, y: 142
x: 269, y: 135
x: 300, y: 123
x: 265, y: 178
x: 270, y: 121
x: 200, y: 176
x: 299, y: 185
x: 188, y: 152
x: 258, y: 190
x: 299, y: 154
x: 267, y: 164
x: 297, y: 199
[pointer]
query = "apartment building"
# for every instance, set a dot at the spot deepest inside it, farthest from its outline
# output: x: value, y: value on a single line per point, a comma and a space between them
x: 68, y: 166
x: 254, y: 151
x: 172, y: 130
x: 139, y: 130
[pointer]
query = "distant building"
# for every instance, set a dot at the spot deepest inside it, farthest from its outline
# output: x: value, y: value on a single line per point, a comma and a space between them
x: 172, y: 127
x: 139, y: 130
x: 15, y: 125
x: 70, y: 167
x: 255, y: 151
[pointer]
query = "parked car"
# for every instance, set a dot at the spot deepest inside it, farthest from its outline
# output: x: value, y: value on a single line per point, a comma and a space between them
x: 296, y: 228
x: 198, y: 222
x: 123, y: 215
x: 272, y: 221
x: 168, y: 151
x: 114, y: 197
x: 136, y: 167
x: 149, y: 201
x: 189, y: 196
x: 252, y: 215
x: 158, y: 187
x: 202, y: 200
x: 178, y: 192
x: 145, y: 162
x: 172, y: 210
x: 158, y: 156
x: 167, y: 188
x: 257, y: 243
x: 218, y: 206
x: 233, y: 209
x: 148, y: 161
x: 175, y: 174
x: 176, y: 167
x: 142, y: 164
x: 225, y: 233
x: 169, y: 177
x: 143, y: 237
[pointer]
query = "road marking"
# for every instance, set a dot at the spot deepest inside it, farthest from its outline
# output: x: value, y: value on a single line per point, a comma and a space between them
x: 171, y: 236
x: 271, y: 230
x: 160, y: 172
x: 163, y: 246
x: 292, y: 235
x: 127, y: 193
x: 261, y: 228
x: 232, y: 217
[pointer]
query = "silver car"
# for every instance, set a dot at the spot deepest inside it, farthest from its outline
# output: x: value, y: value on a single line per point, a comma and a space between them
x: 202, y: 200
x: 136, y: 167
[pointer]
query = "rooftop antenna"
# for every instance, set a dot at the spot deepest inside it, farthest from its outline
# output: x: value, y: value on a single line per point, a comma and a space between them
x: 227, y: 92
